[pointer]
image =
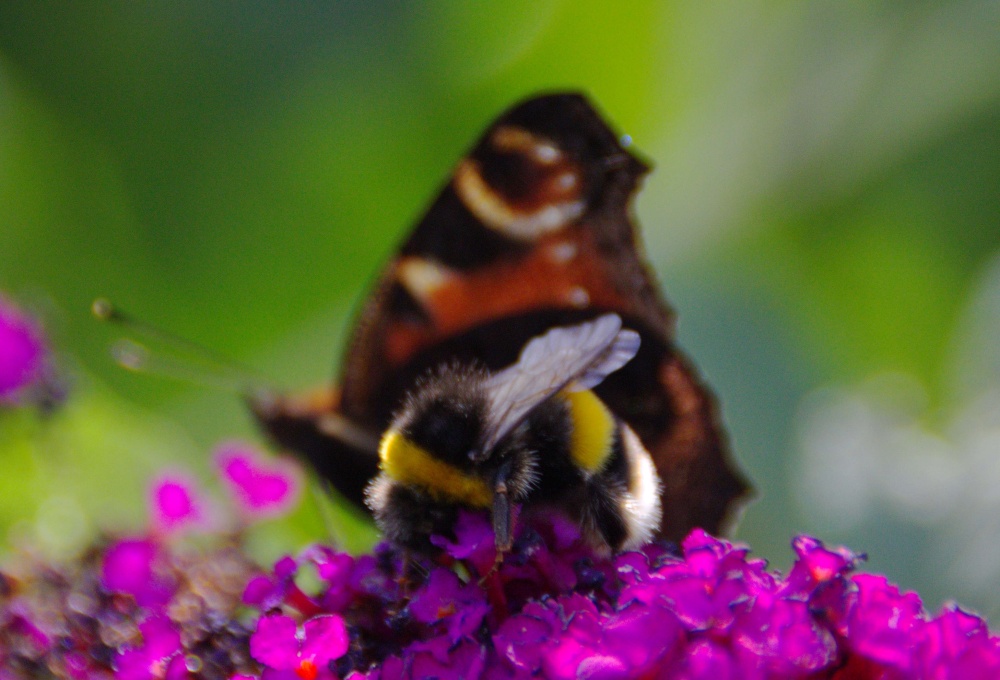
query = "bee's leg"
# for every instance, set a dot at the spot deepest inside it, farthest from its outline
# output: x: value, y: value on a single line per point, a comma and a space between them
x: 503, y: 529
x: 497, y: 563
x: 502, y: 520
x: 504, y: 537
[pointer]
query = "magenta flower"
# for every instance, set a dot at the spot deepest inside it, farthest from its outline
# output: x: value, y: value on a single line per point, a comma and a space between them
x: 174, y: 504
x: 519, y: 639
x: 437, y: 658
x: 24, y: 632
x: 555, y: 610
x: 260, y: 487
x: 281, y: 645
x: 134, y: 567
x: 269, y: 592
x: 958, y: 644
x: 445, y: 598
x: 472, y: 541
x: 883, y: 621
x: 22, y: 352
x: 159, y: 655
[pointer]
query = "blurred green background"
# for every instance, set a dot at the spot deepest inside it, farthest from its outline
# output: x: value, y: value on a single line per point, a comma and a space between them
x: 824, y: 214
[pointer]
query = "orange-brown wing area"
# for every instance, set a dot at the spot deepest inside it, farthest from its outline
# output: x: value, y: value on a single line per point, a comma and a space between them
x: 534, y: 230
x: 565, y: 271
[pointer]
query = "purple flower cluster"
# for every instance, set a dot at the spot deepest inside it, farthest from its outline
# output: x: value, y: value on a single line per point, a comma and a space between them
x: 144, y: 608
x: 131, y: 610
x: 150, y: 606
x: 553, y: 609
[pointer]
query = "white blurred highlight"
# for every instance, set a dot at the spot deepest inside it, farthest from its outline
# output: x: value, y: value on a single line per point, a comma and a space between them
x: 876, y: 449
x: 865, y: 450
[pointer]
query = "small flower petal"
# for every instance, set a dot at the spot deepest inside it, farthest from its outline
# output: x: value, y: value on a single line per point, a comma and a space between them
x: 260, y: 487
x: 275, y: 643
x: 174, y: 503
x: 325, y: 639
x: 129, y: 567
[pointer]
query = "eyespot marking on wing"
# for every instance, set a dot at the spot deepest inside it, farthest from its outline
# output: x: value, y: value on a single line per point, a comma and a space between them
x: 511, y: 139
x: 532, y: 187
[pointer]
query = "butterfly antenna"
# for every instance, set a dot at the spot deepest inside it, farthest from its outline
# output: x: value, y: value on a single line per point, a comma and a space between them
x: 181, y: 358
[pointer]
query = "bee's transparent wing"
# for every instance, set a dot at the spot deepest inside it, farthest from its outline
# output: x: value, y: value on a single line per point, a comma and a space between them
x: 578, y: 357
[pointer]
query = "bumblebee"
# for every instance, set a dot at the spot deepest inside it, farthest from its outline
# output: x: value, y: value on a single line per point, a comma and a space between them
x: 532, y: 434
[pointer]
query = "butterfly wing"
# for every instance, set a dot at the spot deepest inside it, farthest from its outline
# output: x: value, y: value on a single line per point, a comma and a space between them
x: 533, y: 231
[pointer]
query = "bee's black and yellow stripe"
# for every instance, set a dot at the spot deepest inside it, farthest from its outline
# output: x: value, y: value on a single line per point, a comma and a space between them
x: 591, y: 444
x: 409, y: 463
x: 572, y: 453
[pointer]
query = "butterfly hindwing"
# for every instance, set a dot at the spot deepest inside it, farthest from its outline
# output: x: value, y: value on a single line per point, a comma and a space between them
x: 533, y: 231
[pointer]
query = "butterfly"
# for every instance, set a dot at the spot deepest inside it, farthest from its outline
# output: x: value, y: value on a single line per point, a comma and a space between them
x: 532, y: 232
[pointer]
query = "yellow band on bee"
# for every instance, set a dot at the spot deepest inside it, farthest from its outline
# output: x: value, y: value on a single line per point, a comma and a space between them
x: 593, y: 429
x: 408, y: 463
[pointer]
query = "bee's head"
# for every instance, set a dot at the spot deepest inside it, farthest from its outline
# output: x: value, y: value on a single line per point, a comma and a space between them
x: 434, y: 441
x: 447, y: 429
x: 446, y: 414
